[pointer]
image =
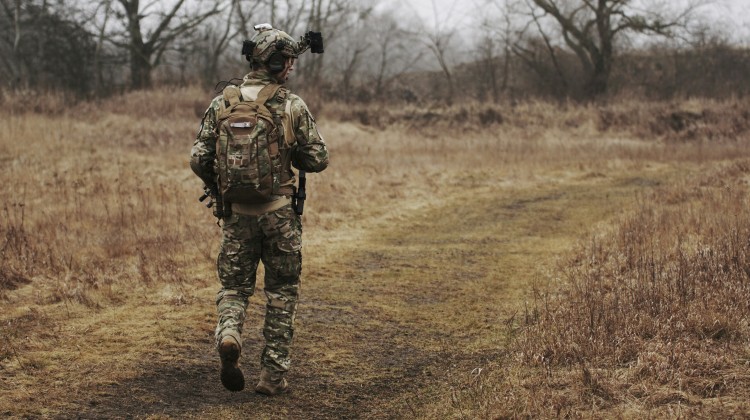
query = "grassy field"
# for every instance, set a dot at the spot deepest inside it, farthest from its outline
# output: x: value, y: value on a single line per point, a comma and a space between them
x: 475, y: 261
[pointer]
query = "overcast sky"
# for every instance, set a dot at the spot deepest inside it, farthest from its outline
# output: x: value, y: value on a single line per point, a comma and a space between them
x: 732, y: 16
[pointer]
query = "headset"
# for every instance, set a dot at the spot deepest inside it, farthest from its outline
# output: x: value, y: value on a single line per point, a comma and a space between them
x: 277, y: 60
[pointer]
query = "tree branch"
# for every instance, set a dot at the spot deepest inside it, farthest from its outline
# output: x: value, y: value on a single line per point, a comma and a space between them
x: 164, y: 23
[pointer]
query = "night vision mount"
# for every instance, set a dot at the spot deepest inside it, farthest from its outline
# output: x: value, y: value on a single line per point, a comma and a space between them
x: 312, y: 40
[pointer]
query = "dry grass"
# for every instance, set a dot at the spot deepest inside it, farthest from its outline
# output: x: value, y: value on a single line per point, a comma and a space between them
x: 658, y: 306
x: 96, y: 224
x: 649, y: 318
x: 693, y: 120
x: 431, y: 222
x: 86, y: 193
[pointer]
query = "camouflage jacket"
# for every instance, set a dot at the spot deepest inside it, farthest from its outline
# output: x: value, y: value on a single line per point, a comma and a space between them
x: 307, y: 148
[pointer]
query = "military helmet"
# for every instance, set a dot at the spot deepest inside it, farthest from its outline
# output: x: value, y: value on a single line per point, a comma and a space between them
x: 269, y: 46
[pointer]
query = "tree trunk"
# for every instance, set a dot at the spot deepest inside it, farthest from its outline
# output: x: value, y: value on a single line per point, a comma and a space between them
x: 140, y: 60
x: 140, y: 70
x: 506, y: 72
x: 98, y: 67
x: 598, y: 84
x: 13, y: 62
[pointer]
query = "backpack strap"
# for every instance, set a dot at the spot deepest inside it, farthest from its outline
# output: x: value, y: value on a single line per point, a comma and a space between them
x: 278, y: 110
x: 264, y: 95
x: 267, y: 92
x: 232, y: 95
x: 277, y: 97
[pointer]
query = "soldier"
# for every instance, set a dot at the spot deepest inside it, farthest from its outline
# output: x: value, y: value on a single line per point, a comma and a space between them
x: 269, y: 231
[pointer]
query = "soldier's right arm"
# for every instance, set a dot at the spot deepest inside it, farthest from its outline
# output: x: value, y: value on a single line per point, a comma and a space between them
x: 203, y: 154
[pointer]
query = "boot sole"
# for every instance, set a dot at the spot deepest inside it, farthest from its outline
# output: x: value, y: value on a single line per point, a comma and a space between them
x: 231, y: 375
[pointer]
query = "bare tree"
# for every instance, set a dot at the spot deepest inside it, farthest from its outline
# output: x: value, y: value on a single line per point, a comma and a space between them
x: 101, y: 31
x: 44, y: 44
x: 293, y: 14
x: 507, y: 38
x: 485, y: 69
x: 395, y: 50
x: 495, y: 52
x: 329, y: 17
x: 590, y: 28
x: 16, y: 29
x: 439, y: 39
x: 541, y: 55
x: 352, y: 50
x: 236, y: 21
x: 353, y: 60
x: 166, y: 25
x: 438, y: 42
x: 11, y: 19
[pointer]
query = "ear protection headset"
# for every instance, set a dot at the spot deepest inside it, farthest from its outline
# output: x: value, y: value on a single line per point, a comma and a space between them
x: 277, y: 60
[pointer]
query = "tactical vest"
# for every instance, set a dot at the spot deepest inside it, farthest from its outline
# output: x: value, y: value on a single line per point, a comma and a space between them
x: 252, y: 157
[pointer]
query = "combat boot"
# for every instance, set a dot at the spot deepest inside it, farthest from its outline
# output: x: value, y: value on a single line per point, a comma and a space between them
x: 231, y: 375
x: 271, y: 383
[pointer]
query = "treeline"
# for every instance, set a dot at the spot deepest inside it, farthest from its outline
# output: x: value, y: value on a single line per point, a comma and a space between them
x: 517, y: 49
x: 719, y: 70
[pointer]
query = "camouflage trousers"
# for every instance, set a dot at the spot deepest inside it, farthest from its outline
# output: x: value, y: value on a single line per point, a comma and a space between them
x: 275, y: 238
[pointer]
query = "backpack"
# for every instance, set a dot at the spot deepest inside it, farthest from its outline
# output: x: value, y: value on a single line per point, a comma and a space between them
x: 249, y: 162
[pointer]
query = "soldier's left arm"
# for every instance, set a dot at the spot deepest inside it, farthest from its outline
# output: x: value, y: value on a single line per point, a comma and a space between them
x: 309, y: 152
x: 203, y: 153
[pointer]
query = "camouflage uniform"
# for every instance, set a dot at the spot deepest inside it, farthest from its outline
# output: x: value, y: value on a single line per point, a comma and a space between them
x: 273, y: 237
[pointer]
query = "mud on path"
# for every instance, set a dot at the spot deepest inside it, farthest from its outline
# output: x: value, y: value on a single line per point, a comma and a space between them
x: 395, y: 322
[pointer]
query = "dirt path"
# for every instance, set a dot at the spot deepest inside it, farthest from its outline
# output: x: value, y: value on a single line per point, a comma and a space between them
x: 395, y: 322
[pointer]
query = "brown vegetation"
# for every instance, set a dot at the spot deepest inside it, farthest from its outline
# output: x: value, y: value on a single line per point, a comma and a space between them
x: 422, y: 241
x: 652, y: 316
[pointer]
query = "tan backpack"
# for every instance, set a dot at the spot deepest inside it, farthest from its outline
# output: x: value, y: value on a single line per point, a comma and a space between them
x: 249, y: 161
